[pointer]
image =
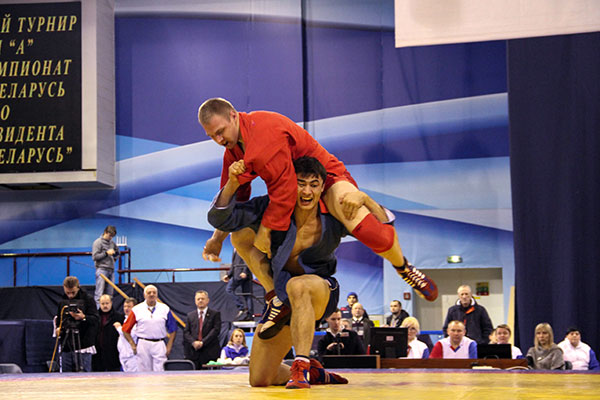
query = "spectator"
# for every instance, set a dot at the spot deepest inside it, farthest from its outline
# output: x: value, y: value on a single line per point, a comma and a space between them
x: 416, y: 348
x: 126, y: 356
x: 398, y: 314
x: 579, y: 354
x: 104, y: 253
x: 493, y: 337
x: 236, y: 351
x: 473, y: 316
x: 239, y: 275
x: 347, y: 310
x: 339, y: 340
x: 107, y: 356
x: 347, y: 323
x: 456, y: 345
x: 545, y: 354
x: 201, y: 332
x: 154, y: 322
x: 361, y: 324
x: 77, y: 327
x: 503, y: 334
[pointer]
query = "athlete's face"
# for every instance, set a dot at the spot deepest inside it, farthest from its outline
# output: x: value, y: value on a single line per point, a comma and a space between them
x: 224, y: 130
x: 309, y: 191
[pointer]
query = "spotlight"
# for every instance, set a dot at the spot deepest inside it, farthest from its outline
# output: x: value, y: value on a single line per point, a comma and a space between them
x: 454, y: 259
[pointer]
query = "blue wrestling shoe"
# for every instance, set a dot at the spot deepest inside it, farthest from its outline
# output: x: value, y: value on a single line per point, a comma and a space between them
x: 423, y: 285
x: 274, y: 318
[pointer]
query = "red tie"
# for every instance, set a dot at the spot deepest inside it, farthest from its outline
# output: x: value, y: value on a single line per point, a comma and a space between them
x: 200, y: 320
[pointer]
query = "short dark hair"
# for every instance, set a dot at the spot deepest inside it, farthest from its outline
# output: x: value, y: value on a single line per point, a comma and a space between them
x: 71, y: 282
x: 397, y: 301
x: 310, y: 166
x: 111, y: 230
x: 336, y: 310
x: 130, y: 300
x: 214, y: 106
x: 572, y: 329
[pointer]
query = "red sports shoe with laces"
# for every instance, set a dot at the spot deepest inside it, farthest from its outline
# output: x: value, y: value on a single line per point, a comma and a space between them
x: 423, y: 285
x: 299, y: 378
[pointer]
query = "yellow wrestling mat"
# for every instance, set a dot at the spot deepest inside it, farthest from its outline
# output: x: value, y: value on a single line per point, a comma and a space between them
x: 364, y: 384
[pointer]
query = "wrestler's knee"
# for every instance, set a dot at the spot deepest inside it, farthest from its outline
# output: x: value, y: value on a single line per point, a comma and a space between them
x: 296, y: 287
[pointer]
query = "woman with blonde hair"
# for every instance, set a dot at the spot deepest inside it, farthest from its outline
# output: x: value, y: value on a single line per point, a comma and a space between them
x: 416, y: 348
x: 236, y: 351
x: 545, y: 354
x: 503, y: 334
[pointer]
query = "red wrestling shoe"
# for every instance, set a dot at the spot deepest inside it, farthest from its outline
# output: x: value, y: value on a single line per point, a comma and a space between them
x: 276, y: 315
x: 423, y: 285
x: 318, y: 375
x: 299, y: 378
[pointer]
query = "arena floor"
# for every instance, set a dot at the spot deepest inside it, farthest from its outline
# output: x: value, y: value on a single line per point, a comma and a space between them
x: 364, y: 384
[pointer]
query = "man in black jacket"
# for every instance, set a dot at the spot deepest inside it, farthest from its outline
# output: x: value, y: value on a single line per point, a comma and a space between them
x: 337, y: 340
x: 472, y: 315
x: 201, y: 332
x: 398, y: 315
x: 77, y: 326
x: 107, y: 354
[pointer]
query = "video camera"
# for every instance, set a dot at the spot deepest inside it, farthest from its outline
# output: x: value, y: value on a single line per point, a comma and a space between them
x: 68, y: 306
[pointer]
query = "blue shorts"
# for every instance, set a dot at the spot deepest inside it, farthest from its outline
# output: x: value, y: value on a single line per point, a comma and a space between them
x: 334, y: 297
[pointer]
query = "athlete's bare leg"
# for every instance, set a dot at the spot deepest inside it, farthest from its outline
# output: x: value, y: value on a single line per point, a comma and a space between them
x: 332, y: 200
x: 366, y: 225
x: 266, y: 358
x: 243, y: 241
x: 309, y: 295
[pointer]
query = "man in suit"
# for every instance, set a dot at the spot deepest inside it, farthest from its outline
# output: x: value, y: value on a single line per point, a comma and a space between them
x: 398, y: 314
x: 201, y: 332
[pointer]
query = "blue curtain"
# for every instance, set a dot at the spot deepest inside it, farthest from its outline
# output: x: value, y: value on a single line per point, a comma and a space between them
x: 554, y: 109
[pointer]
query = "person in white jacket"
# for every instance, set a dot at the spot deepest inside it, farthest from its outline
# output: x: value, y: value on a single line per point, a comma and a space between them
x: 126, y: 355
x: 578, y: 353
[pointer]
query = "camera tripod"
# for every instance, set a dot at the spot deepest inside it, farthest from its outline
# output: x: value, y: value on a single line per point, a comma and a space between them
x: 71, y: 335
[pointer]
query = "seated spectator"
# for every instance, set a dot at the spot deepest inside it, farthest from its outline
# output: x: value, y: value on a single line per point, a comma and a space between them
x: 107, y: 354
x: 361, y: 324
x: 503, y: 334
x: 398, y: 314
x: 456, y: 345
x: 493, y: 337
x: 416, y: 348
x: 126, y: 355
x: 545, y: 354
x: 347, y: 324
x: 347, y: 310
x: 578, y: 353
x: 236, y: 351
x: 339, y: 340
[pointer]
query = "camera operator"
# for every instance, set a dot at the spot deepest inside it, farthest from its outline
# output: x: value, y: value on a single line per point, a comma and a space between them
x: 77, y: 327
x: 339, y: 340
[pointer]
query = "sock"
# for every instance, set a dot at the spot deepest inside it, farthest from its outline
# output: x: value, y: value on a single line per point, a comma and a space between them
x: 376, y: 235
